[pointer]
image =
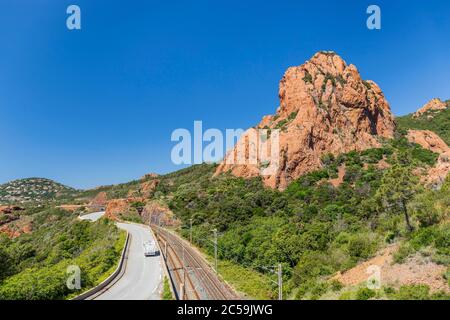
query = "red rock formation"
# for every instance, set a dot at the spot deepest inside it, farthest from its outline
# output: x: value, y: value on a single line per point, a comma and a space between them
x: 429, y: 140
x: 148, y: 188
x: 434, y: 104
x: 325, y: 107
x: 157, y: 213
x: 100, y: 200
x: 150, y: 176
x: 116, y: 207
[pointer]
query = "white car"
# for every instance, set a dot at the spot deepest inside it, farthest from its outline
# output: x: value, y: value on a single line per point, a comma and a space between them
x: 150, y: 249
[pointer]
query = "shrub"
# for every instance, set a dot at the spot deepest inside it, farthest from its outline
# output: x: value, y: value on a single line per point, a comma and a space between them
x: 362, y: 246
x: 365, y: 294
x: 336, y: 285
x: 413, y: 292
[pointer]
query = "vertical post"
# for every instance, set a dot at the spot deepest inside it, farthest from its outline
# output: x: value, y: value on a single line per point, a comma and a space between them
x: 280, y: 282
x: 182, y: 291
x: 190, y: 230
x: 165, y: 250
x: 215, y: 250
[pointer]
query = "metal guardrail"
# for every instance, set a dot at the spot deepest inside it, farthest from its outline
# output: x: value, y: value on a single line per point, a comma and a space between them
x: 116, y: 275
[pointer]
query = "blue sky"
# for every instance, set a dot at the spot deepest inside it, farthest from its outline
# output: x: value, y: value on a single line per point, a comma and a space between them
x: 97, y: 106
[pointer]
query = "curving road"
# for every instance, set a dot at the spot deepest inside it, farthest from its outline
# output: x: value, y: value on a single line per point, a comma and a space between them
x: 143, y: 275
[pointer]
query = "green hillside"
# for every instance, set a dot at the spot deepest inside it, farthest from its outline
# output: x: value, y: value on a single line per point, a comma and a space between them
x: 436, y: 121
x: 34, y: 266
x: 33, y: 190
x: 313, y: 228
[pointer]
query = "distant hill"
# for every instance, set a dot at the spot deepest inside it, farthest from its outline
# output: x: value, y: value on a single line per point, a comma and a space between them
x: 33, y: 190
x: 436, y: 120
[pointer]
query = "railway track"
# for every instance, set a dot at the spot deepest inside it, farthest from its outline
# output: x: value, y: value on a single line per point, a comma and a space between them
x: 200, y: 281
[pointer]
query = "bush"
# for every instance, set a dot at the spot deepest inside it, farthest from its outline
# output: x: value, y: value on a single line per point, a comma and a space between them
x: 413, y: 292
x: 335, y: 285
x: 167, y: 294
x: 365, y: 294
x: 362, y: 246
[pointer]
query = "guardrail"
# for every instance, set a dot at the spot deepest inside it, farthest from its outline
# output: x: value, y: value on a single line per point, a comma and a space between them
x: 116, y: 275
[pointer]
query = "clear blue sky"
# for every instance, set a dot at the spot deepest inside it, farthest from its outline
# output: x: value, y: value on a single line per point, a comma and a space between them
x: 98, y: 106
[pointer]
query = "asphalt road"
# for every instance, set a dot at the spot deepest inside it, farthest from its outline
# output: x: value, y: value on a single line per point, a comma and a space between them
x: 93, y: 216
x: 142, y: 279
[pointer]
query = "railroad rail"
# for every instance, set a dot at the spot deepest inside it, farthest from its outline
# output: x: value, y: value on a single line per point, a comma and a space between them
x: 192, y: 276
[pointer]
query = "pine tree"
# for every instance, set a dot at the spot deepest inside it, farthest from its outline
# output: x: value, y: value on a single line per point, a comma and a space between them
x: 398, y: 187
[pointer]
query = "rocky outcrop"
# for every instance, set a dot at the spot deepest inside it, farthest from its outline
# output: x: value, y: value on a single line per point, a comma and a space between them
x: 148, y: 188
x: 325, y: 107
x: 429, y: 140
x: 12, y: 224
x: 157, y: 213
x: 100, y: 200
x: 433, y: 105
x: 117, y: 207
x: 150, y: 176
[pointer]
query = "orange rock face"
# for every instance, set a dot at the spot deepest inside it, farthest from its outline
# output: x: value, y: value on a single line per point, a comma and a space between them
x: 100, y: 200
x: 325, y: 107
x: 148, y: 187
x: 431, y: 141
x: 116, y: 207
x: 156, y: 213
x: 150, y: 176
x: 434, y: 104
x: 428, y: 140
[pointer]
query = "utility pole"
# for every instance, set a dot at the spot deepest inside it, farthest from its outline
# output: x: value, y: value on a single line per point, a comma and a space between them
x: 215, y: 250
x: 190, y: 230
x: 280, y: 282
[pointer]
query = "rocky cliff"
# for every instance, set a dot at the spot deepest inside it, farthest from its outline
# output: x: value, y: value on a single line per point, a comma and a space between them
x: 435, y: 104
x: 429, y: 140
x: 325, y: 107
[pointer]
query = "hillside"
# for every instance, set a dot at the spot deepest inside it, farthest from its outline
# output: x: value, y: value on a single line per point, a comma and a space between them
x: 433, y: 119
x: 327, y: 221
x: 36, y: 190
x: 33, y: 265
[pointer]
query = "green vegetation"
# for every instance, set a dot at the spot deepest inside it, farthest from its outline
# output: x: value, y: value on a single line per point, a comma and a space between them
x: 253, y: 284
x: 308, y: 77
x: 312, y: 228
x: 34, y: 266
x: 436, y: 121
x: 167, y: 293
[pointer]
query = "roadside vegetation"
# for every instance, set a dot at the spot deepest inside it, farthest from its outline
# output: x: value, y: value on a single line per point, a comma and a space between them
x: 34, y: 266
x: 167, y: 293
